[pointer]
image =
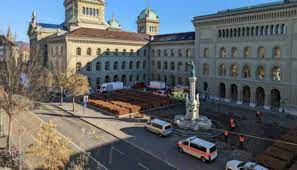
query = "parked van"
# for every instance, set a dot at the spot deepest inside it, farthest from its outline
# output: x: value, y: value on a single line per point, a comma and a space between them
x: 159, y: 127
x: 202, y: 149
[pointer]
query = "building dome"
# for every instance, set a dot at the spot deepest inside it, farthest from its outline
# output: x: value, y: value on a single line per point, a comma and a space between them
x: 148, y: 13
x: 113, y: 23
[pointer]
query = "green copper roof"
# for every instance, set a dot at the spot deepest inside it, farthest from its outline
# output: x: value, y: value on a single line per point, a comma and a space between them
x: 113, y: 23
x: 148, y: 13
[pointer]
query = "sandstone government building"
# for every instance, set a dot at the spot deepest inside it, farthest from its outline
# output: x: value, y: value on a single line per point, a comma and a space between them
x: 245, y: 56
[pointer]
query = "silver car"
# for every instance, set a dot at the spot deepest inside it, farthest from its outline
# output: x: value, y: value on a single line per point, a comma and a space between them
x: 160, y: 127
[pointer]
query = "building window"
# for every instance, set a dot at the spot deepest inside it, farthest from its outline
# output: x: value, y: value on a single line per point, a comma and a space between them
x: 246, y: 71
x: 165, y: 53
x: 165, y: 65
x: 144, y: 52
x: 131, y: 52
x: 205, y: 52
x: 116, y: 52
x: 234, y: 52
x: 180, y: 53
x: 144, y: 64
x: 188, y: 52
x: 276, y: 74
x: 276, y: 52
x: 205, y: 69
x: 131, y: 65
x: 172, y: 66
x: 98, y: 66
x: 123, y: 65
x: 107, y: 51
x: 84, y: 10
x: 131, y: 78
x: 115, y: 65
x: 179, y: 66
x: 159, y: 65
x: 78, y: 67
x: 107, y: 66
x: 260, y: 73
x: 247, y: 52
x: 234, y: 71
x: 138, y: 52
x: 78, y: 51
x: 124, y: 52
x: 222, y: 70
x: 159, y: 53
x: 153, y: 53
x: 223, y: 53
x: 261, y: 52
x: 98, y: 81
x: 89, y: 51
x: 89, y: 66
x: 172, y: 52
x: 138, y: 65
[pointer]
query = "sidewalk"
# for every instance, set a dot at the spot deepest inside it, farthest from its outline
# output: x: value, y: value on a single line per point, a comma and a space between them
x: 109, y: 123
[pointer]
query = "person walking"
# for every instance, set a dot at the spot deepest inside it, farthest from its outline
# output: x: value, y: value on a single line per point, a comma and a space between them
x: 232, y: 123
x: 226, y: 135
x: 258, y: 115
x: 241, y: 141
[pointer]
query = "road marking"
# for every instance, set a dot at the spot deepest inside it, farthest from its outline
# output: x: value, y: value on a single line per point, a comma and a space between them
x: 141, y: 165
x: 130, y: 143
x: 75, y: 145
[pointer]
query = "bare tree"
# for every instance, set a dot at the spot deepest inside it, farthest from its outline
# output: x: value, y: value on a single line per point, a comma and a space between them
x: 20, y: 82
x: 77, y: 85
x: 50, y: 147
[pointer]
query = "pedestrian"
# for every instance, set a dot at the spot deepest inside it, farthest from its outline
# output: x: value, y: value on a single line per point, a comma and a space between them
x: 241, y: 141
x: 258, y: 115
x: 226, y: 135
x: 232, y: 123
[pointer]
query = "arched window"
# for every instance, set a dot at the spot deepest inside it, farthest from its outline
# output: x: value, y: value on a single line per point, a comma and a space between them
x: 179, y: 66
x: 246, y: 71
x: 172, y: 52
x: 78, y: 51
x: 115, y: 65
x: 98, y: 81
x: 276, y: 73
x: 89, y: 66
x: 89, y: 51
x: 247, y: 52
x: 123, y: 65
x: 205, y: 69
x: 282, y: 31
x: 222, y: 70
x: 98, y: 52
x: 115, y: 78
x: 234, y: 52
x: 131, y: 65
x: 223, y: 53
x: 260, y: 73
x: 276, y: 52
x: 172, y: 66
x: 159, y: 65
x: 159, y: 53
x: 107, y: 66
x: 205, y: 52
x: 180, y: 53
x: 78, y: 67
x: 165, y: 65
x: 234, y: 71
x: 188, y: 52
x: 107, y: 51
x: 276, y: 29
x: 98, y: 66
x: 138, y: 65
x: 138, y: 52
x: 261, y: 52
x: 144, y: 52
x: 87, y: 11
x: 220, y: 33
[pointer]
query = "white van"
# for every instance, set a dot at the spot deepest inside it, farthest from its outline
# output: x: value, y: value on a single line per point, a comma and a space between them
x: 159, y: 127
x: 202, y: 149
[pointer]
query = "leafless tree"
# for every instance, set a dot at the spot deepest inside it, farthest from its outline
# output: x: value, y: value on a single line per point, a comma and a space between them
x: 20, y: 83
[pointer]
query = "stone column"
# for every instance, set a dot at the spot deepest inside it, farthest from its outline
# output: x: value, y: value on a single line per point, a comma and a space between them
x: 253, y: 97
x: 267, y: 100
x: 239, y: 95
x: 192, y: 103
x: 228, y: 93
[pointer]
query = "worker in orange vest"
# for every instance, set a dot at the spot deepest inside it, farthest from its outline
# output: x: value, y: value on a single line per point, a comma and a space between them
x: 241, y: 141
x: 232, y: 123
x: 226, y: 135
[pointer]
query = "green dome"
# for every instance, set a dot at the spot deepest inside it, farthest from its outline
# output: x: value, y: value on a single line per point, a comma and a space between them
x: 113, y: 23
x: 148, y: 13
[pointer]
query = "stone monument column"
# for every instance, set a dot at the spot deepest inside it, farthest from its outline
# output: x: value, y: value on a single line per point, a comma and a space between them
x: 192, y: 102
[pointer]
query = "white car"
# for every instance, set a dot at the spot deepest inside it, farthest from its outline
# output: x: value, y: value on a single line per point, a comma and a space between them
x: 239, y: 165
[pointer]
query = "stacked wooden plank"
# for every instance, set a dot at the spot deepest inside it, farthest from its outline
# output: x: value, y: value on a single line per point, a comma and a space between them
x: 280, y: 156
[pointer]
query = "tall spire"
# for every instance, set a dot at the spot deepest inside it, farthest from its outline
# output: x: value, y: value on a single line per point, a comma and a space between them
x: 33, y: 20
x: 9, y: 34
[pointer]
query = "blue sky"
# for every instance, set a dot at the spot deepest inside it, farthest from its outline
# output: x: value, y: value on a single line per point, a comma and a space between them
x: 175, y: 15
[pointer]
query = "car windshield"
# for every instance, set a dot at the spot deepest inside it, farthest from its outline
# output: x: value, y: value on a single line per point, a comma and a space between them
x: 241, y: 164
x: 167, y: 127
x: 214, y: 148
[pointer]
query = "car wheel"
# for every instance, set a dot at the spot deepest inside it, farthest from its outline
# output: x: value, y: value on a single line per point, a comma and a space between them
x: 203, y: 159
x: 181, y: 149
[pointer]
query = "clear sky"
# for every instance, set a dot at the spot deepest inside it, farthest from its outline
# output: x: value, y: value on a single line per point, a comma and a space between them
x: 175, y: 15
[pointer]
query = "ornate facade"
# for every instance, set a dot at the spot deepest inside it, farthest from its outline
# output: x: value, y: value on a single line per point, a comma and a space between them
x: 247, y: 55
